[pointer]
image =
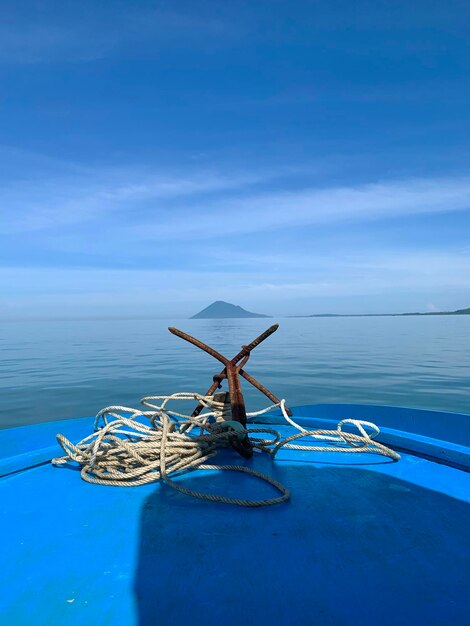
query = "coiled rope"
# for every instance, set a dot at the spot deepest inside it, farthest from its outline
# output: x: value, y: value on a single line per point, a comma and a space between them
x: 132, y: 447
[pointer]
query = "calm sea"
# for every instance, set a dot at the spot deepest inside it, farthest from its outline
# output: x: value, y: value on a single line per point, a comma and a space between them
x: 54, y: 370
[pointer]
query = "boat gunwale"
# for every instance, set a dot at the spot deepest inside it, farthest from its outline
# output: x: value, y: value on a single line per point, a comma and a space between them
x: 29, y: 453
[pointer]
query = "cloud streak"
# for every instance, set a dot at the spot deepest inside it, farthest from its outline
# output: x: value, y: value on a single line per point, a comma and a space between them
x: 89, y: 195
x: 180, y: 206
x: 116, y: 241
x: 287, y: 209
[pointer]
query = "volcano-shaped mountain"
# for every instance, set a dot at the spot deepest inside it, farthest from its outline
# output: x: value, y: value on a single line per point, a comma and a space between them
x: 221, y: 309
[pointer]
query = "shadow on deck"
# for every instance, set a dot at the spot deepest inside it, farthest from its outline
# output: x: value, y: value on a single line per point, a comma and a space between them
x: 353, y: 546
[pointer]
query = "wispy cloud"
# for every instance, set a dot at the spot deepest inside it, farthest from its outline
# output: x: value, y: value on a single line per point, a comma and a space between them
x: 89, y: 194
x: 182, y: 205
x: 87, y: 291
x: 83, y: 240
x: 284, y: 209
x: 58, y: 32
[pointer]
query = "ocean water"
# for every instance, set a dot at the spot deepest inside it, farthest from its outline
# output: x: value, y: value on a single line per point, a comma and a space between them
x: 51, y: 370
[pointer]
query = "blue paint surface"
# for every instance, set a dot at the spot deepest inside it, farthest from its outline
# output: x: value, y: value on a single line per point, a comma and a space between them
x: 362, y: 541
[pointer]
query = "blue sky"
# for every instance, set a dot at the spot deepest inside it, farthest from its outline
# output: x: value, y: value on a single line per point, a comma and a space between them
x: 291, y: 157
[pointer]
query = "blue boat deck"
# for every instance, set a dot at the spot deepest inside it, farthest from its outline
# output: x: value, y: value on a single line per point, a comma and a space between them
x: 363, y: 540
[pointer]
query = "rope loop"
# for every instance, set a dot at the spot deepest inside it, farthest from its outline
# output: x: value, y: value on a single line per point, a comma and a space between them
x: 133, y: 447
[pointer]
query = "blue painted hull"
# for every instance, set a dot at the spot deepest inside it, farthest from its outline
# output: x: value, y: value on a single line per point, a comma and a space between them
x: 362, y: 541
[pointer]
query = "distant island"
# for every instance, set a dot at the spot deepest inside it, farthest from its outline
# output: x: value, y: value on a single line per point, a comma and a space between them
x: 225, y: 310
x: 221, y: 310
x: 458, y: 312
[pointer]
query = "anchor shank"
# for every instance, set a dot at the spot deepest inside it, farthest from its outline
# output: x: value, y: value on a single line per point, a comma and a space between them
x: 237, y: 403
x: 236, y: 395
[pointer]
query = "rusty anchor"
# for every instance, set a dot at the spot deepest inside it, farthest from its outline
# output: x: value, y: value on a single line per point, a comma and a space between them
x: 233, y: 369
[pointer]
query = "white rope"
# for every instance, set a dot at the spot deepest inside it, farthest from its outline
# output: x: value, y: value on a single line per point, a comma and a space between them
x: 124, y: 450
x: 364, y: 442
